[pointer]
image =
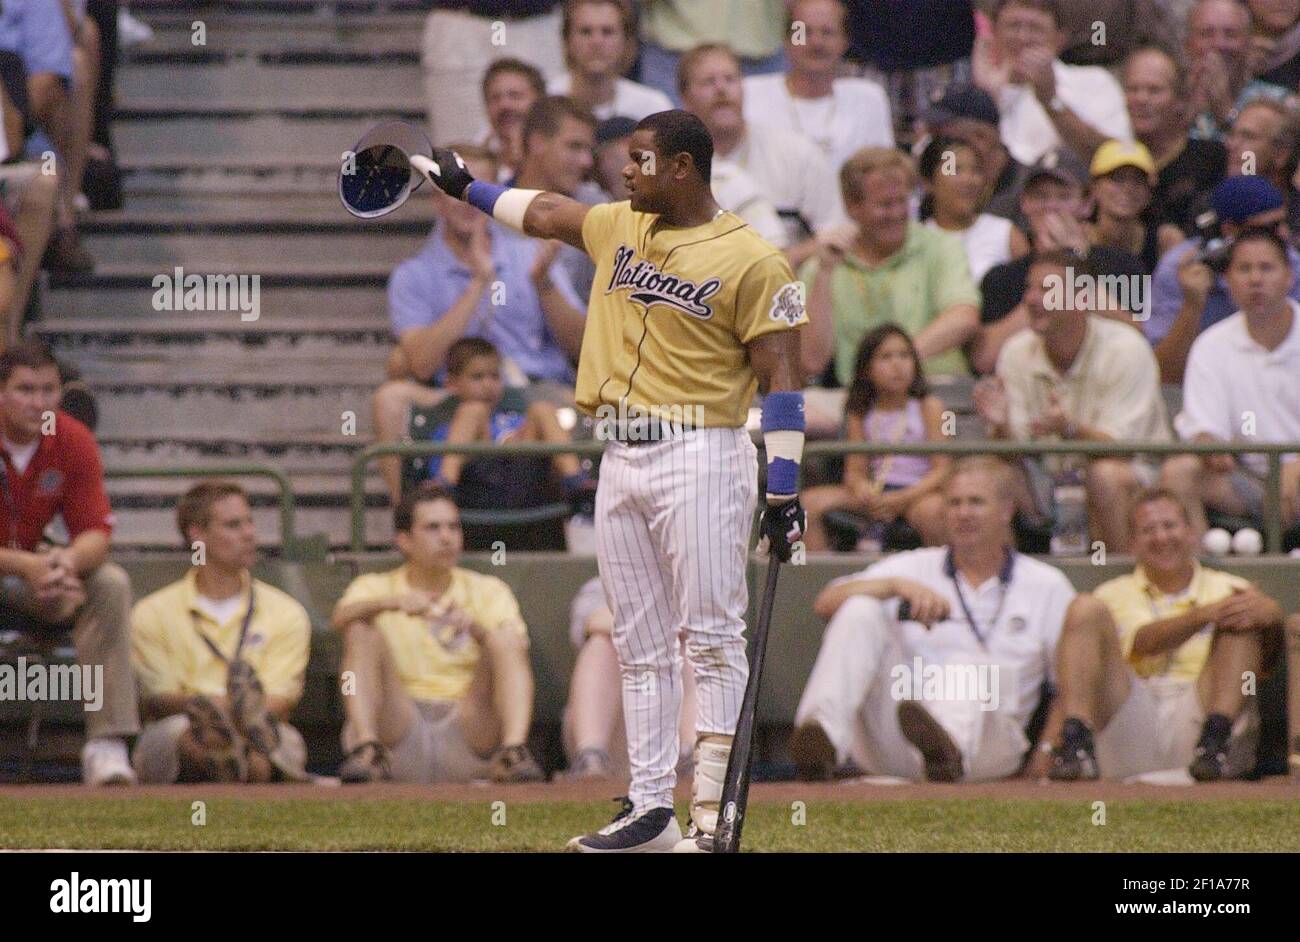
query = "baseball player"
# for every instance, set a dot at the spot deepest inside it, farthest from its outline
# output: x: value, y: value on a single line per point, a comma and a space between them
x: 690, y: 313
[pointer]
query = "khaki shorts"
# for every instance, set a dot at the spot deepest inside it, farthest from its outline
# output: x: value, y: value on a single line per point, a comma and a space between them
x: 435, y: 749
x: 1157, y: 729
x: 157, y: 762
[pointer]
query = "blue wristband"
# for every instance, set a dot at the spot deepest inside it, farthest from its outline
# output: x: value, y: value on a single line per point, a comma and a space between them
x: 782, y: 476
x: 783, y: 412
x: 484, y: 195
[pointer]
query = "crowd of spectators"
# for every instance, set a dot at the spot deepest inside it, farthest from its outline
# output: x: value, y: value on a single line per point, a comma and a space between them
x: 437, y: 683
x: 57, y: 59
x: 913, y: 179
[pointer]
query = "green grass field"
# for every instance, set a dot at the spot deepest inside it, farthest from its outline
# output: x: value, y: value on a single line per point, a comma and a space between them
x: 922, y: 825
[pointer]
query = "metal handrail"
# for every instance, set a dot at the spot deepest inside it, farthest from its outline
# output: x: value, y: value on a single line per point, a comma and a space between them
x: 288, y: 535
x: 1273, y: 452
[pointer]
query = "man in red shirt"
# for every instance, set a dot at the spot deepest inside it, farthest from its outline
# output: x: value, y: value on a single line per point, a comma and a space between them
x: 49, y: 464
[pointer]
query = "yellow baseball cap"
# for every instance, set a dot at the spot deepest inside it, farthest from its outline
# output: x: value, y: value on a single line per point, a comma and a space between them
x: 1112, y: 155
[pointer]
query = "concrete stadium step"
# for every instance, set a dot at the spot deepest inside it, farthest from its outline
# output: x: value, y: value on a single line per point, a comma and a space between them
x: 245, y: 17
x: 286, y: 411
x: 170, y: 133
x: 322, y: 274
x: 129, y: 299
x: 257, y: 214
x: 111, y: 331
x: 286, y: 201
x: 226, y: 30
x: 321, y: 453
x: 303, y: 175
x: 323, y: 77
x: 233, y: 245
x: 271, y: 368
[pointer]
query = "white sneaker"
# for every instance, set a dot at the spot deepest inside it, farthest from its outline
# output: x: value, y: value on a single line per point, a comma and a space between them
x: 651, y: 832
x: 104, y: 762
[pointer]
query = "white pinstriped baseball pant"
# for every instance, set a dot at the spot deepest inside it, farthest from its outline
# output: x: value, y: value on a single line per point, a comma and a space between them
x: 672, y: 534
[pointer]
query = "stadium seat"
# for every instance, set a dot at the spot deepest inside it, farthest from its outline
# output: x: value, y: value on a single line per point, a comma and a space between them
x: 41, y: 648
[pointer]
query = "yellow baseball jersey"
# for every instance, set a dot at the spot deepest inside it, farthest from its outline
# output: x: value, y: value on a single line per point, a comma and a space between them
x: 434, y: 662
x: 671, y: 311
x: 170, y: 656
x: 1134, y: 601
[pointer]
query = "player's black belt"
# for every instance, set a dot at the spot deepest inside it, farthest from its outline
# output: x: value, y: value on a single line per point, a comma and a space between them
x: 642, y: 431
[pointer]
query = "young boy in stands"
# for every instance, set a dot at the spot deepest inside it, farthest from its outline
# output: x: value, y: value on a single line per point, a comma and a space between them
x: 483, y: 415
x: 437, y: 684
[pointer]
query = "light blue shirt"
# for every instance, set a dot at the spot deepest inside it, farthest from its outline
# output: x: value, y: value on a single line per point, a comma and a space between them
x: 38, y: 31
x: 424, y: 287
x: 1167, y: 294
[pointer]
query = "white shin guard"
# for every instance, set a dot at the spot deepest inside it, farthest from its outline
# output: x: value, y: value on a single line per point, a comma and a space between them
x: 711, y: 755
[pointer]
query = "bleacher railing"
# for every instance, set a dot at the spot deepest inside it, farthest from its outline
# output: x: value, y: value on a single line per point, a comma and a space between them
x: 1007, y: 449
x: 285, y: 496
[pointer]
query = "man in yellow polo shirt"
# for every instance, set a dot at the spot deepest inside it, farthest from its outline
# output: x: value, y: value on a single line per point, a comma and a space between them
x: 436, y: 683
x: 219, y: 656
x: 1161, y: 686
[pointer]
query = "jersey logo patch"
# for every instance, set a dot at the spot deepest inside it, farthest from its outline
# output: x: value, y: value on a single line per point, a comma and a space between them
x: 647, y: 285
x: 788, y: 304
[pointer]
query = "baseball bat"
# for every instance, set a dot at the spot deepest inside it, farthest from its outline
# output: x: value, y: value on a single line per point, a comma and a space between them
x: 735, y: 786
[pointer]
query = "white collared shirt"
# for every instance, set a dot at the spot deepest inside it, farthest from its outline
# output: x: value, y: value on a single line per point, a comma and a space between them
x: 1029, y: 613
x: 1113, y: 384
x: 1236, y: 390
x: 736, y: 192
x: 1089, y: 91
x: 631, y: 99
x: 792, y: 174
x: 854, y: 115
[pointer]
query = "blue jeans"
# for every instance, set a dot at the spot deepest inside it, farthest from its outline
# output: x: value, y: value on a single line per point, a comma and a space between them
x: 659, y: 68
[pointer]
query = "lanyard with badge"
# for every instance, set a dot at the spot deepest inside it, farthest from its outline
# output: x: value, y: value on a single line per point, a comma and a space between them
x: 243, y: 633
x: 1004, y: 580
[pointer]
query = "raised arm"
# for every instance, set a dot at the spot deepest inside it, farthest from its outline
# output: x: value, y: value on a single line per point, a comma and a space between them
x: 818, y: 346
x: 552, y: 216
x: 532, y: 212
